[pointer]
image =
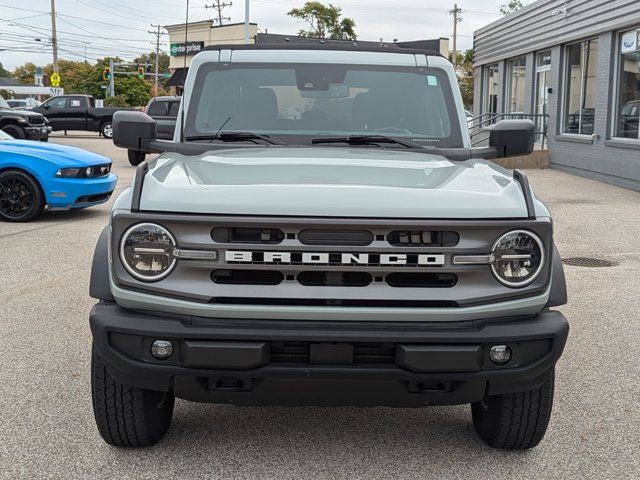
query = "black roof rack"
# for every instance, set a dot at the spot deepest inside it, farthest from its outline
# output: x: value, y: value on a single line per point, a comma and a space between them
x: 335, y: 45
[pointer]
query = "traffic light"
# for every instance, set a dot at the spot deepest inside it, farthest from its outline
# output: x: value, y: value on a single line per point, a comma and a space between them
x: 106, y: 74
x: 140, y: 73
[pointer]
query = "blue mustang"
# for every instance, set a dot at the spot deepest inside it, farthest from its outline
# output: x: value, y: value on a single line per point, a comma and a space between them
x: 35, y: 174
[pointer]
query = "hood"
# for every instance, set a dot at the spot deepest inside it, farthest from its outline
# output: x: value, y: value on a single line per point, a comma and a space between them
x: 19, y: 113
x: 330, y: 181
x: 61, y: 155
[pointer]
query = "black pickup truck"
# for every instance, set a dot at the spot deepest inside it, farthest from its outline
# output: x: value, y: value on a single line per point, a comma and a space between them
x: 23, y: 124
x: 78, y: 112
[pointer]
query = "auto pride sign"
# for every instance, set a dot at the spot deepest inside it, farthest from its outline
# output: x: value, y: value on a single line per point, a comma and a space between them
x: 189, y: 48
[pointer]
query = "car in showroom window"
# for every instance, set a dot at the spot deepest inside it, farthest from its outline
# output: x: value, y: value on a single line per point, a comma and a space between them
x: 629, y: 87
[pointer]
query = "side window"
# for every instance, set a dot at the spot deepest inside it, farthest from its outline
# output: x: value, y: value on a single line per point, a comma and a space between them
x: 157, y: 109
x: 57, y: 102
x: 173, y: 109
x: 76, y: 102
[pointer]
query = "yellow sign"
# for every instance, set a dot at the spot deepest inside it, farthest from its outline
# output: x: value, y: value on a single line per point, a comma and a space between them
x: 54, y: 79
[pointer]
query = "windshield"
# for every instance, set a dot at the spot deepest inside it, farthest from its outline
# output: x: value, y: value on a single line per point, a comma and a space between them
x: 297, y: 103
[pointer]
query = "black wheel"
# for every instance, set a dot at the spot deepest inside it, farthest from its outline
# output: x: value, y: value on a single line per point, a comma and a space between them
x: 136, y: 157
x: 15, y: 131
x: 515, y: 421
x: 21, y: 198
x: 107, y: 129
x: 127, y: 416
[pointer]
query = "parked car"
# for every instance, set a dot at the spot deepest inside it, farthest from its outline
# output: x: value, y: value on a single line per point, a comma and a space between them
x: 78, y: 112
x: 23, y: 124
x: 581, y: 121
x: 360, y: 256
x: 630, y: 118
x: 35, y: 175
x: 23, y: 103
x: 164, y: 110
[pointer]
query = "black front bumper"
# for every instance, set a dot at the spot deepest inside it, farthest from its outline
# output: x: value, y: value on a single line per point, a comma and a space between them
x: 39, y: 132
x: 266, y: 362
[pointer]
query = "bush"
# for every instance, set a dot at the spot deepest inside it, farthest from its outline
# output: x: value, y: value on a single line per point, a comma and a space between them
x: 116, y: 101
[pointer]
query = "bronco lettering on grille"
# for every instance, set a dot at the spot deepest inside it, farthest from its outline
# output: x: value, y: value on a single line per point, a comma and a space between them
x: 327, y: 258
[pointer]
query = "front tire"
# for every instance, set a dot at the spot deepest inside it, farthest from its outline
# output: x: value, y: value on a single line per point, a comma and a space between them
x: 127, y: 416
x: 515, y: 421
x: 107, y: 129
x: 15, y: 131
x: 136, y: 157
x: 21, y: 198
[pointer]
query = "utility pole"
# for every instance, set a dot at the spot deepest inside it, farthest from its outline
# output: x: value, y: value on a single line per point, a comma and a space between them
x: 54, y: 36
x: 246, y: 22
x: 220, y: 6
x: 158, y: 34
x: 456, y: 19
x: 112, y: 80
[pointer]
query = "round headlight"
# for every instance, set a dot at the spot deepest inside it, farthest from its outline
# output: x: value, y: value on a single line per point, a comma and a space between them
x: 519, y: 258
x: 146, y: 251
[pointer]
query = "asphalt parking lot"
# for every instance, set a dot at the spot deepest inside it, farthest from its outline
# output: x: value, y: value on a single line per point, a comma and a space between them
x: 46, y: 421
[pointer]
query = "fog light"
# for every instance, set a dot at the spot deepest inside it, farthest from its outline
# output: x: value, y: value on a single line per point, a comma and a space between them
x: 500, y: 354
x: 161, y: 349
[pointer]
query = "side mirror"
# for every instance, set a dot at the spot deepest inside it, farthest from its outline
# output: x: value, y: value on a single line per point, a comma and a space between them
x: 133, y: 130
x: 512, y: 137
x: 46, y: 106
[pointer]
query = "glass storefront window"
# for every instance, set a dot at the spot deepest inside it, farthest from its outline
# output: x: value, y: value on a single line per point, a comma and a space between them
x: 517, y: 78
x: 491, y: 90
x: 629, y: 86
x: 580, y: 87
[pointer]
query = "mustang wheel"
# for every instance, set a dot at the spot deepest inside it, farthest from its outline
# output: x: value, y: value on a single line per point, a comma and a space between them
x: 107, y: 129
x: 127, y: 416
x: 21, y: 198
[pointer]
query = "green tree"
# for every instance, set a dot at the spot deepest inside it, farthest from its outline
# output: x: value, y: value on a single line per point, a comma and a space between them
x: 4, y: 72
x: 25, y: 73
x: 465, y: 74
x: 324, y: 21
x: 512, y: 6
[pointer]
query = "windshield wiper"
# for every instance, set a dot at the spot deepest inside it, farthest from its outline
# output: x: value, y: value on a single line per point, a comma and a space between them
x: 235, y: 137
x: 366, y: 140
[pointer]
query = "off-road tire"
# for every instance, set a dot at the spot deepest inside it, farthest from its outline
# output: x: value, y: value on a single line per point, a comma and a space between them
x: 106, y: 129
x: 15, y: 131
x: 127, y: 416
x: 136, y: 157
x: 515, y: 421
x: 30, y: 193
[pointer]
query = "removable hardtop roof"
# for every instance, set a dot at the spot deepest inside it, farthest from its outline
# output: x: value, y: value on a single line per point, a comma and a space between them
x: 333, y: 45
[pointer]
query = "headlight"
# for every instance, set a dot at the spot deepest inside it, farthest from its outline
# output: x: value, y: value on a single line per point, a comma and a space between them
x: 85, y: 172
x: 519, y: 258
x: 146, y: 251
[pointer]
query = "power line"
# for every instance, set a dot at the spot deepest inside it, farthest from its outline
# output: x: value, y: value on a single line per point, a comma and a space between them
x: 456, y: 11
x: 219, y: 7
x: 158, y: 33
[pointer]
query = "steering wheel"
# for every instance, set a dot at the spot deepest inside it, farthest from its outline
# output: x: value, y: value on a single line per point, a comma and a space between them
x: 393, y: 130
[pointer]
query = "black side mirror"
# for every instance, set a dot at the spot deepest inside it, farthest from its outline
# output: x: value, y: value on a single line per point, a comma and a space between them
x: 512, y: 137
x: 46, y: 106
x: 133, y: 130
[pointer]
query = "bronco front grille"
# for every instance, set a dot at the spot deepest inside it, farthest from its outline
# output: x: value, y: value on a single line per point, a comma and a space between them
x: 363, y: 352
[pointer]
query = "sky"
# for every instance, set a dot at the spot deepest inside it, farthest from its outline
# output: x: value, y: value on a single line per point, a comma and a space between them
x: 99, y: 28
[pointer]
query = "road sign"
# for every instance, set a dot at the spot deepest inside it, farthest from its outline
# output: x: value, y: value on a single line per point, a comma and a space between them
x: 54, y: 79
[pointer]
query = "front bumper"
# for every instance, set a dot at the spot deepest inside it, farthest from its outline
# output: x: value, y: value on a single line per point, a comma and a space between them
x: 269, y: 362
x: 67, y: 193
x: 39, y: 132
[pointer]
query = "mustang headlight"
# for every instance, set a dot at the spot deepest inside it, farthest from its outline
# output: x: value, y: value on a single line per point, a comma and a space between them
x: 518, y: 258
x: 68, y: 172
x: 147, y: 252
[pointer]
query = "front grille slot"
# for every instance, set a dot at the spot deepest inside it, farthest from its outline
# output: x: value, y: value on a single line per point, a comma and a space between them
x: 336, y: 237
x: 331, y: 302
x: 36, y: 120
x: 421, y: 280
x: 363, y: 352
x: 247, y: 277
x: 334, y: 279
x: 423, y: 238
x: 247, y: 235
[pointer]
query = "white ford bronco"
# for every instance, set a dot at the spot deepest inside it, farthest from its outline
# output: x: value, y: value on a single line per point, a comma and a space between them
x: 320, y: 231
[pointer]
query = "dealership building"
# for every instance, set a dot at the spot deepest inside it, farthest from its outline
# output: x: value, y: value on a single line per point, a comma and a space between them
x: 574, y: 68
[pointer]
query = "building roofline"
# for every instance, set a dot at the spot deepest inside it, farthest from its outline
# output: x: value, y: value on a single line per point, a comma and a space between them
x: 510, y: 17
x: 210, y: 22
